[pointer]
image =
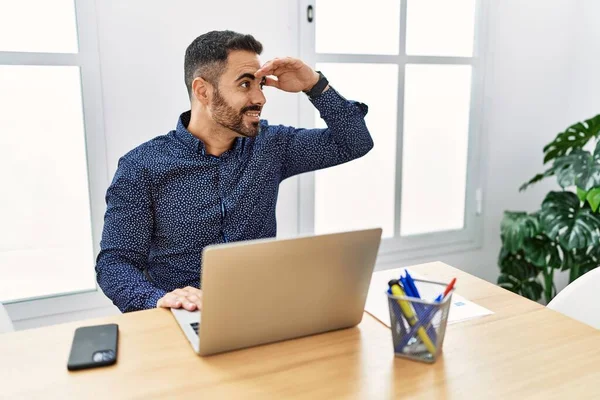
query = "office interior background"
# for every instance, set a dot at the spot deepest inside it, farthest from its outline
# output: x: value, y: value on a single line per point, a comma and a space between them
x: 462, y: 101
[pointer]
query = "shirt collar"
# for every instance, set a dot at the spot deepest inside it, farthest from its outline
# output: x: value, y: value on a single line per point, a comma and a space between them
x: 191, y: 141
x: 197, y: 145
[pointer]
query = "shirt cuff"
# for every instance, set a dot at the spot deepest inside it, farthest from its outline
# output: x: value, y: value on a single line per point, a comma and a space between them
x: 154, y: 297
x: 330, y: 102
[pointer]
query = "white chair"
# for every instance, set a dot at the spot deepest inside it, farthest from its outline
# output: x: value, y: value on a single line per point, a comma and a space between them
x: 5, y: 322
x: 579, y: 300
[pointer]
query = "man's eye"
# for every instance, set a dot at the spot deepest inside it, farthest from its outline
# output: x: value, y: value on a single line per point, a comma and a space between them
x: 262, y: 85
x: 245, y: 84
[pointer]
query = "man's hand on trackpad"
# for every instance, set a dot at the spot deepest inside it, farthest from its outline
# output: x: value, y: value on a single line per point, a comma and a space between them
x: 189, y: 298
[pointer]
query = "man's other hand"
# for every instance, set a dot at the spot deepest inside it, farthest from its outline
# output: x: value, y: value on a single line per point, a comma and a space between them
x: 291, y: 74
x: 189, y: 298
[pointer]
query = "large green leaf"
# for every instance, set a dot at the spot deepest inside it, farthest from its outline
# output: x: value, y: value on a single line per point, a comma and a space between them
x: 566, y: 167
x: 578, y: 168
x: 563, y: 219
x: 593, y: 197
x: 582, y: 194
x: 587, y: 261
x: 516, y: 227
x: 536, y: 179
x: 568, y: 258
x: 518, y: 275
x: 575, y: 137
x: 580, y: 261
x: 542, y: 252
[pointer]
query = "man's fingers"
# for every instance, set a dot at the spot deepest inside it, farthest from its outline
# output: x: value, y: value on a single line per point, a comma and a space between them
x: 264, y: 71
x: 192, y: 291
x: 169, y: 301
x: 288, y: 62
x: 270, y: 71
x: 277, y: 66
x: 285, y: 64
x: 189, y: 298
x: 195, y: 297
x: 180, y: 292
x: 272, y: 82
x: 177, y: 302
x: 269, y: 68
x: 197, y: 300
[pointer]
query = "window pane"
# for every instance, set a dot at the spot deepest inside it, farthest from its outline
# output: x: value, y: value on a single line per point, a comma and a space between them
x: 360, y: 194
x: 440, y: 27
x: 435, y: 144
x: 371, y: 27
x: 38, y: 26
x: 45, y: 234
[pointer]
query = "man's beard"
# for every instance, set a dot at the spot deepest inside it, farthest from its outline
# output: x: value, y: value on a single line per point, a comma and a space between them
x: 228, y: 117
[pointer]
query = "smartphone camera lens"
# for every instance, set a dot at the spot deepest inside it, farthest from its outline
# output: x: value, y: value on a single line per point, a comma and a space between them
x: 104, y: 355
x: 109, y: 355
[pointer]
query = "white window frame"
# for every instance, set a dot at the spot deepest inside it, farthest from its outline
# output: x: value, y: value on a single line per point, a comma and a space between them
x: 397, y: 249
x: 87, y: 59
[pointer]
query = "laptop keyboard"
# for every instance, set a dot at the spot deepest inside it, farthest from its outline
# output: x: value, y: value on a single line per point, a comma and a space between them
x: 195, y: 326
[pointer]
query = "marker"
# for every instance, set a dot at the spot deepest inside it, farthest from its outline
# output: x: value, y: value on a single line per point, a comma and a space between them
x: 406, y: 286
x: 411, y: 290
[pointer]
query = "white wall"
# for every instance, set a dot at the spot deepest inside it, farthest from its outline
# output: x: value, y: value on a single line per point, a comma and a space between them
x: 584, y: 98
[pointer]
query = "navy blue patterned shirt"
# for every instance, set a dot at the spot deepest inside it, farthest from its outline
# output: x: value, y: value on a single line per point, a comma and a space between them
x: 169, y: 199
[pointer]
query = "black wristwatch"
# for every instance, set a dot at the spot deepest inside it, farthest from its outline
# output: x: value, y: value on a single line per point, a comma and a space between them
x: 319, y: 86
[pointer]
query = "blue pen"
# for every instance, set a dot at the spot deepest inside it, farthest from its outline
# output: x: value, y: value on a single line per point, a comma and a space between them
x: 420, y: 309
x: 413, y: 287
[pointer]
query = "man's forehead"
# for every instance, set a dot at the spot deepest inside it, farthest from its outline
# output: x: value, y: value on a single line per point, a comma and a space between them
x: 239, y: 62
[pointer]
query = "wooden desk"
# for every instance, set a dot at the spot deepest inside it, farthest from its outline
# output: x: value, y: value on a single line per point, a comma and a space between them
x: 522, y: 351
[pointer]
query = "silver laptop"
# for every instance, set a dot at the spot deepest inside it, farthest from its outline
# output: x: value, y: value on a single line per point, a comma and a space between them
x: 268, y: 290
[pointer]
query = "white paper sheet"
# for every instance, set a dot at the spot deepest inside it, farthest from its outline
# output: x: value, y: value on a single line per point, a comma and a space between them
x: 461, y: 309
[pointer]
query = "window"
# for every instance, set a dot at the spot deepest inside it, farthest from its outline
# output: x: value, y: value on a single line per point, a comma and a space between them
x: 417, y: 64
x: 51, y: 149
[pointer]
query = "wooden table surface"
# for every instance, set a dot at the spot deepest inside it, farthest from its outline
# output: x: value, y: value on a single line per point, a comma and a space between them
x: 522, y: 351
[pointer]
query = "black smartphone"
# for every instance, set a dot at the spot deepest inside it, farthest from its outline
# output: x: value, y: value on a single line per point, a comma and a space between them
x: 94, y: 346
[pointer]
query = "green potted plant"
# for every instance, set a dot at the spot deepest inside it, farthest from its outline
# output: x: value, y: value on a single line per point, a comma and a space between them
x: 565, y: 233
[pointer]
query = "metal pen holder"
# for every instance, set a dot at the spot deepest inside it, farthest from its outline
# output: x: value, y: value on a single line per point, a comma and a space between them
x: 418, y: 325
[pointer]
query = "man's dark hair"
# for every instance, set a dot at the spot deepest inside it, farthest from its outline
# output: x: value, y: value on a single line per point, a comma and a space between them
x: 207, y: 55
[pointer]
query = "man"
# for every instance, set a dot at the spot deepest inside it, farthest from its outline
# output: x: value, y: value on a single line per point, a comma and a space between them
x: 216, y: 177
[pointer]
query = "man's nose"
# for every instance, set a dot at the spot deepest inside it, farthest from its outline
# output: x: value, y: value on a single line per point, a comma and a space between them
x: 258, y: 97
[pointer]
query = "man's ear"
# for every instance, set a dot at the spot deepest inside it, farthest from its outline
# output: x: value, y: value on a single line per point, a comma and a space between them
x: 200, y: 90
